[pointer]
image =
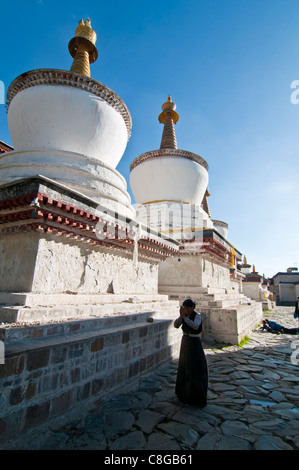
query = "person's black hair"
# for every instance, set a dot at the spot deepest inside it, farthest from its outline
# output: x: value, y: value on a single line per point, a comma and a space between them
x: 189, y: 303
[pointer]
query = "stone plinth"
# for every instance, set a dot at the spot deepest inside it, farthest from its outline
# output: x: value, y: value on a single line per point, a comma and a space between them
x: 203, y: 272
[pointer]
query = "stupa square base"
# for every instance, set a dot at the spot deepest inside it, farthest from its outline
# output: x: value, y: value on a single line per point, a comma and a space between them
x: 54, y: 240
x: 39, y: 262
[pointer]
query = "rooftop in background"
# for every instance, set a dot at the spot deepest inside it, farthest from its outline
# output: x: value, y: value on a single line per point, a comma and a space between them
x: 5, y: 147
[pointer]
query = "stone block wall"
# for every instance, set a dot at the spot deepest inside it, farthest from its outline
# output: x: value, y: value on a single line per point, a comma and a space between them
x: 194, y: 271
x: 50, y: 264
x: 52, y: 369
x: 230, y: 325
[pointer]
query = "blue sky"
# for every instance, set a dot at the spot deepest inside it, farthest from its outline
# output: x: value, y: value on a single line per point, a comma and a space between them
x: 227, y: 64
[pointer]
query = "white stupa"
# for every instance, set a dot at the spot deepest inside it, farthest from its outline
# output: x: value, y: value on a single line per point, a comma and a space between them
x: 171, y: 191
x: 171, y: 180
x: 71, y: 128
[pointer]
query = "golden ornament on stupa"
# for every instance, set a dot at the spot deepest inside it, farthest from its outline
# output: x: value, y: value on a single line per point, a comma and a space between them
x: 168, y: 117
x: 168, y: 108
x: 83, y: 49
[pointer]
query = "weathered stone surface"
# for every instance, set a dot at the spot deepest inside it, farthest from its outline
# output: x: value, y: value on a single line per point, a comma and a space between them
x: 159, y: 441
x: 201, y: 426
x: 277, y: 396
x: 271, y: 426
x: 87, y: 442
x: 57, y: 441
x: 131, y: 441
x: 151, y: 385
x: 140, y: 400
x: 94, y: 423
x: 221, y: 411
x: 238, y: 429
x: 222, y: 387
x: 271, y: 443
x: 233, y: 443
x: 208, y: 441
x: 148, y: 420
x: 240, y: 375
x: 118, y: 423
x: 117, y: 403
x: 181, y: 432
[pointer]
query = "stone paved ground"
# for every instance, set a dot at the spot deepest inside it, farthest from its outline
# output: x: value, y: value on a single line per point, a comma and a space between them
x: 252, y: 404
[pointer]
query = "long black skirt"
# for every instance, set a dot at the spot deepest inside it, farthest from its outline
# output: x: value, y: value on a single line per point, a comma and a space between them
x: 192, y: 376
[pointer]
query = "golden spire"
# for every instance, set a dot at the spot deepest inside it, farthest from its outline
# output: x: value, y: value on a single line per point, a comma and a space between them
x: 168, y: 117
x: 82, y: 48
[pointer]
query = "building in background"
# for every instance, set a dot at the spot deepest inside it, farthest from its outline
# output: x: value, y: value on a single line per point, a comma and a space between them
x: 285, y: 286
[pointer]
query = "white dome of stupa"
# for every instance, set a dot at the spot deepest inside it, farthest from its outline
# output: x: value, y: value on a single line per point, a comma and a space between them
x: 170, y: 175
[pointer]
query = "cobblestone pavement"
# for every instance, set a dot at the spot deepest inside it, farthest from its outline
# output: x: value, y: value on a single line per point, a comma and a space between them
x: 252, y: 404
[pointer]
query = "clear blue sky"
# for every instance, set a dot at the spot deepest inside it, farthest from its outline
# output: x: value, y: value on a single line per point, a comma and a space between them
x: 228, y: 65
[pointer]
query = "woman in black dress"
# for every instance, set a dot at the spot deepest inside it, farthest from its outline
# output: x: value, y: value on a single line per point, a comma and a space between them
x: 192, y: 375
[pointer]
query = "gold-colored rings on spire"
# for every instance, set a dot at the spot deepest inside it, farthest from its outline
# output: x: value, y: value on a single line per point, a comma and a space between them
x: 82, y: 48
x: 168, y: 108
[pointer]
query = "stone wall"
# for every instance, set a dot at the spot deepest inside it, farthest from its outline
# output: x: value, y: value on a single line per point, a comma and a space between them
x: 252, y: 290
x: 214, y: 274
x: 180, y: 271
x: 193, y: 270
x: 51, y: 369
x: 230, y: 325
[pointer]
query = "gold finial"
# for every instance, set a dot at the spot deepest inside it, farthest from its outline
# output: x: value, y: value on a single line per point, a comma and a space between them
x: 245, y: 260
x: 82, y: 48
x: 168, y: 117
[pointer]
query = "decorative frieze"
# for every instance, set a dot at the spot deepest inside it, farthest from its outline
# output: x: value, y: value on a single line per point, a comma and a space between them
x: 37, y: 211
x: 213, y: 246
